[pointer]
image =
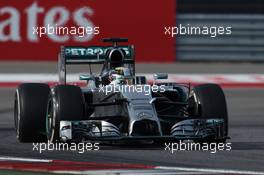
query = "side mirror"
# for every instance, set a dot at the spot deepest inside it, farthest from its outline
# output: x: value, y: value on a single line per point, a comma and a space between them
x: 159, y: 76
x: 86, y: 77
x: 91, y: 80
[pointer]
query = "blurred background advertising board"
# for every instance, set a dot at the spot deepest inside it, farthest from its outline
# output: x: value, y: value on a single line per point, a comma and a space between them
x: 23, y: 24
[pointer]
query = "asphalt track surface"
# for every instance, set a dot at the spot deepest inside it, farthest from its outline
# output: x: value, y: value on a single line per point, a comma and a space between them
x: 246, y: 119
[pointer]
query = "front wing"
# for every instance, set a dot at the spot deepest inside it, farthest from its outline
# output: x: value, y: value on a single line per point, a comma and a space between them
x: 98, y: 130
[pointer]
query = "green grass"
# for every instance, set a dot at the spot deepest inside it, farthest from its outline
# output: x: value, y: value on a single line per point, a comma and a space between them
x: 10, y: 172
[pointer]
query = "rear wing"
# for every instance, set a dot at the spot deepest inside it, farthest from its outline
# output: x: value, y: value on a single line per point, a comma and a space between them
x: 88, y: 55
x: 93, y: 54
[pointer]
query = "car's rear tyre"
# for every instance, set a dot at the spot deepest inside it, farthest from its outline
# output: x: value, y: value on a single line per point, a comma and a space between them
x: 208, y: 101
x: 66, y: 102
x: 30, y: 112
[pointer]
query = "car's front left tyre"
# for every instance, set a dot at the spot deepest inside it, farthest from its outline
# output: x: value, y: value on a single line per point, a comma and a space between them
x: 30, y: 112
x: 208, y: 101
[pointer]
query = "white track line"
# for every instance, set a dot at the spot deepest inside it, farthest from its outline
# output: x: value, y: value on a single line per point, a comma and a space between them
x: 161, y: 170
x: 226, y: 171
x: 7, y: 158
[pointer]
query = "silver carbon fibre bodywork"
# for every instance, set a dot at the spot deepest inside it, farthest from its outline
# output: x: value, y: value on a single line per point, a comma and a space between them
x: 78, y: 130
x: 202, y: 128
x: 140, y: 108
x: 105, y: 131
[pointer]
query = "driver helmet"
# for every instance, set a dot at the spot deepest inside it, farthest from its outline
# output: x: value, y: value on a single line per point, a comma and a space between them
x: 121, y: 75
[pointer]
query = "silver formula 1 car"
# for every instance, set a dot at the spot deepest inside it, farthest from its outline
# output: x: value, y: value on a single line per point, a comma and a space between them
x: 118, y: 105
